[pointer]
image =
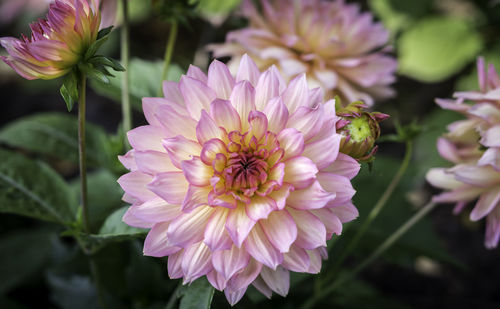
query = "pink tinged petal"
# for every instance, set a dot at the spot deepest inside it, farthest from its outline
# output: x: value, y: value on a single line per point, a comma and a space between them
x: 258, y: 124
x: 448, y: 150
x: 216, y: 280
x: 130, y: 219
x: 215, y: 234
x: 233, y: 297
x: 345, y: 213
x: 184, y: 125
x: 156, y: 210
x: 174, y: 265
x: 489, y: 157
x: 338, y: 184
x: 197, y: 262
x: 297, y: 259
x: 300, y: 172
x: 248, y: 70
x: 170, y: 186
x: 180, y: 148
x: 491, y: 138
x: 153, y: 162
x: 269, y: 86
x: 229, y: 262
x: 197, y: 95
x: 292, y: 142
x: 311, y: 231
x: 195, y: 197
x: 135, y: 184
x: 291, y: 66
x: 262, y: 287
x: 172, y: 93
x: 150, y: 107
x: 246, y: 276
x: 278, y: 280
x: 315, y: 261
x: 212, y: 151
x: 482, y: 176
x: 196, y: 73
x: 146, y: 138
x: 207, y: 129
x: 344, y: 165
x: 307, y: 120
x: 481, y: 73
x: 492, y: 229
x: 465, y: 193
x: 332, y: 223
x: 196, y: 172
x: 243, y: 100
x: 156, y: 243
x: 261, y: 249
x: 297, y: 93
x: 260, y: 207
x: 220, y: 79
x: 189, y: 228
x: 225, y: 115
x: 440, y: 178
x: 239, y: 224
x: 488, y: 200
x: 280, y: 229
x: 312, y: 197
x: 281, y: 195
x: 323, y: 152
x: 128, y: 160
x: 277, y: 114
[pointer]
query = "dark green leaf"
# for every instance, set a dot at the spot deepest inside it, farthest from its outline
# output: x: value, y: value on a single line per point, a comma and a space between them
x: 198, y: 295
x: 22, y: 253
x: 73, y: 292
x: 33, y: 189
x: 102, y: 37
x: 104, y: 32
x: 56, y: 135
x: 69, y: 90
x: 107, y: 61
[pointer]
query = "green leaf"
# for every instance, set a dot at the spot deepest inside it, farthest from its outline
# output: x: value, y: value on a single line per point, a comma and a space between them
x: 145, y: 80
x: 31, y: 188
x: 56, y: 135
x: 22, y: 254
x: 198, y: 295
x: 72, y: 292
x: 69, y: 90
x: 102, y: 37
x: 94, y: 73
x: 107, y: 61
x: 104, y: 32
x: 397, y: 15
x: 436, y: 48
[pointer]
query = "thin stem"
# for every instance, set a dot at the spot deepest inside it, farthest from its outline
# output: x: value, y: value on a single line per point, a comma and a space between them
x: 172, y: 36
x: 94, y: 269
x: 379, y: 251
x: 125, y: 60
x: 173, y: 297
x: 371, y: 216
x: 82, y: 84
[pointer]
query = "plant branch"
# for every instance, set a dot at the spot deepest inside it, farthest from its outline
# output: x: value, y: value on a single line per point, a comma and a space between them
x: 125, y: 60
x: 172, y: 36
x: 82, y: 84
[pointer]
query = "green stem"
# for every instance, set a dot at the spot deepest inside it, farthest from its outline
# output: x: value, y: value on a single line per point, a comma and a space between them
x: 125, y: 60
x: 371, y: 216
x: 172, y: 36
x: 379, y: 251
x: 82, y: 84
x: 173, y: 297
x: 94, y: 269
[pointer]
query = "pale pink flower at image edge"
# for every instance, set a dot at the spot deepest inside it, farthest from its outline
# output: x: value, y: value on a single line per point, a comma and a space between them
x: 340, y: 49
x: 473, y: 145
x: 239, y: 178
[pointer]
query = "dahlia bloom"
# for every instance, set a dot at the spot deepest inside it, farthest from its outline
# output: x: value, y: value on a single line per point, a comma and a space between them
x: 239, y: 178
x: 340, y: 49
x: 58, y: 42
x: 473, y: 145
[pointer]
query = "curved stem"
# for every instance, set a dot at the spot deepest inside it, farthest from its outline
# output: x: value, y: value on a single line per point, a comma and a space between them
x: 371, y: 216
x: 82, y: 84
x: 172, y: 36
x: 125, y: 60
x: 380, y: 249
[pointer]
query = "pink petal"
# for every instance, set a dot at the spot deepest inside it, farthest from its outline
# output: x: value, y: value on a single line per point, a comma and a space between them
x: 188, y: 228
x: 345, y: 166
x: 313, y: 197
x: 442, y: 178
x: 215, y: 235
x: 323, y: 152
x: 174, y: 265
x: 492, y: 229
x: 281, y: 195
x: 269, y: 86
x: 332, y: 223
x: 195, y: 197
x: 135, y: 184
x: 184, y: 125
x: 259, y: 246
x: 130, y: 219
x: 262, y: 287
x: 482, y: 176
x: 196, y: 172
x: 225, y: 115
x: 307, y: 120
x: 464, y: 193
x: 278, y: 280
x: 170, y: 186
x: 244, y: 278
x: 233, y: 297
x: 197, y: 95
x: 300, y: 172
x: 292, y: 142
x: 196, y: 73
x: 340, y: 185
x: 156, y: 210
x: 258, y: 124
x: 280, y: 229
x: 197, y: 262
x: 206, y: 129
x: 297, y: 259
x: 128, y: 160
x: 211, y: 149
x: 297, y: 93
x: 146, y: 138
x: 156, y: 243
x: 220, y: 79
x: 172, y: 93
x: 448, y: 150
x: 216, y: 280
x: 277, y: 114
x: 153, y: 162
x: 248, y: 70
x: 229, y: 262
x: 345, y: 213
x: 315, y: 261
x: 239, y: 224
x: 485, y: 204
x: 180, y: 148
x: 311, y: 231
x: 491, y: 138
x: 243, y: 100
x: 260, y: 207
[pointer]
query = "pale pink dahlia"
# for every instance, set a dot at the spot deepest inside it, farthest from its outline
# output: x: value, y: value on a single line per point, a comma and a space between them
x: 340, y: 49
x: 239, y: 178
x: 473, y: 145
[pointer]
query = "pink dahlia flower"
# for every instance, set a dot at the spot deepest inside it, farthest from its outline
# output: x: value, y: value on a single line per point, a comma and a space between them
x: 473, y: 145
x: 58, y: 42
x: 340, y: 49
x: 239, y: 178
